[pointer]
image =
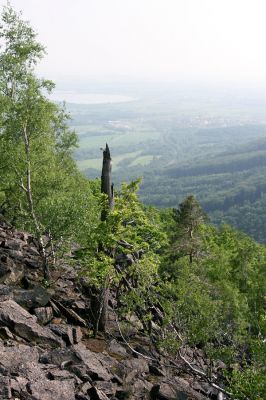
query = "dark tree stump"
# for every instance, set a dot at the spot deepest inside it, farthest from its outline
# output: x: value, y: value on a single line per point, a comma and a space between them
x: 106, y: 186
x: 100, y: 302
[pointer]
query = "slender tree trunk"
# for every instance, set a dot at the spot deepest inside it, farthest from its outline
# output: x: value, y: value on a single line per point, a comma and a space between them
x: 100, y: 305
x: 28, y: 191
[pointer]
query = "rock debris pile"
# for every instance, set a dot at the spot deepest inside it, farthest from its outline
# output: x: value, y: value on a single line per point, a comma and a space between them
x: 46, y: 348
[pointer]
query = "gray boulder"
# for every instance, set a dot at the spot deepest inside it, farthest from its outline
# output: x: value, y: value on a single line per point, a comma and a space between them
x: 44, y: 314
x: 12, y: 358
x: 10, y: 273
x: 94, y: 365
x: 47, y: 390
x: 34, y: 298
x: 24, y: 325
x: 5, y: 388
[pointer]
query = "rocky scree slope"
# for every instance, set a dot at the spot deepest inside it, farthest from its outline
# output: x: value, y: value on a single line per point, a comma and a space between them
x: 46, y: 348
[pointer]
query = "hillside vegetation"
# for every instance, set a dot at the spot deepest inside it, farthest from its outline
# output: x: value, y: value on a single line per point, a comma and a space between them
x: 210, y: 145
x: 192, y: 286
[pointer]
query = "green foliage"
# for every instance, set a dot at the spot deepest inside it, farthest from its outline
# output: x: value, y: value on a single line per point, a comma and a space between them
x: 184, y: 228
x: 249, y: 383
x: 222, y: 163
x: 36, y: 144
x: 218, y: 303
x: 127, y: 223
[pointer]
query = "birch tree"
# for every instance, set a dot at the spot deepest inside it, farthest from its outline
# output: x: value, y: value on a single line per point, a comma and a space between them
x: 36, y: 168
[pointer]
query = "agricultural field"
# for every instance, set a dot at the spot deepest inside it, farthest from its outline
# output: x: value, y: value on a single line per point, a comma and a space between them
x: 213, y: 147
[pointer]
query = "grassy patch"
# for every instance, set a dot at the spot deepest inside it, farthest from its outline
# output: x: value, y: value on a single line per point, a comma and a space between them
x: 96, y: 163
x: 143, y: 160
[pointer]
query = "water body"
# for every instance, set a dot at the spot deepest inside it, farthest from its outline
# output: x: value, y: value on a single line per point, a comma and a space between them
x: 89, y: 98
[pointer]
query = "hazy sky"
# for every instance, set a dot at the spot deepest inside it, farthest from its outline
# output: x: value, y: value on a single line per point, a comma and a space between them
x: 158, y: 40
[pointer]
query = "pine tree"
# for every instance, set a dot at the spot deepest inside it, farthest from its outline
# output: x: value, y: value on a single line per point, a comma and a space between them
x: 186, y: 238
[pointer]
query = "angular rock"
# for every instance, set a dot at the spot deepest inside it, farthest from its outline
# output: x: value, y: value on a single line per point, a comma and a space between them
x: 77, y: 334
x: 184, y: 387
x: 96, y: 368
x: 81, y: 396
x: 144, y: 350
x: 47, y: 390
x: 107, y: 388
x: 156, y: 370
x: 141, y: 389
x: 18, y: 385
x: 117, y: 379
x: 5, y: 333
x: 124, y: 393
x: 24, y: 236
x: 85, y: 387
x: 3, y: 234
x: 96, y: 394
x: 130, y: 369
x: 14, y: 244
x: 32, y: 371
x: 56, y: 374
x: 14, y: 357
x: 116, y: 349
x: 5, y: 266
x: 5, y: 388
x: 5, y: 292
x: 33, y: 251
x: 24, y: 324
x: 32, y: 263
x: 92, y: 365
x: 21, y: 362
x: 44, y: 315
x: 10, y: 273
x: 17, y: 255
x: 61, y: 357
x: 125, y: 260
x: 64, y: 331
x: 37, y: 297
x: 80, y: 370
x: 71, y: 315
x: 206, y: 389
x: 79, y: 305
x: 176, y: 389
x: 164, y: 392
x: 75, y: 372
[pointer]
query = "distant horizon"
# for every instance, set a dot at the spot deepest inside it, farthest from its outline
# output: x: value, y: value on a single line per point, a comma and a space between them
x: 141, y: 87
x: 216, y: 84
x: 206, y: 43
x: 141, y: 82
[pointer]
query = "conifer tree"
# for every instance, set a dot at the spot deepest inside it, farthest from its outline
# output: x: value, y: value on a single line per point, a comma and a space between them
x: 186, y: 238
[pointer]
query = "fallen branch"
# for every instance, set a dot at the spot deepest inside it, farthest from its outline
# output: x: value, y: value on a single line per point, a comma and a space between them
x: 193, y: 369
x: 125, y: 244
x: 203, y: 375
x: 69, y: 314
x: 128, y: 345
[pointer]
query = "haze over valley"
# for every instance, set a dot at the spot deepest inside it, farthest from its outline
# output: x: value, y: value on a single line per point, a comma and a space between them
x: 180, y: 140
x: 176, y: 87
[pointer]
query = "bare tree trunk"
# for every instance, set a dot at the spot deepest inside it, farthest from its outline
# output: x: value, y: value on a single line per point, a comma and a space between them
x: 99, y: 312
x: 106, y: 186
x: 28, y: 191
x: 50, y: 244
x: 101, y: 302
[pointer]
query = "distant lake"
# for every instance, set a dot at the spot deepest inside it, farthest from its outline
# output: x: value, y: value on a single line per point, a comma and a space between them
x: 89, y: 98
